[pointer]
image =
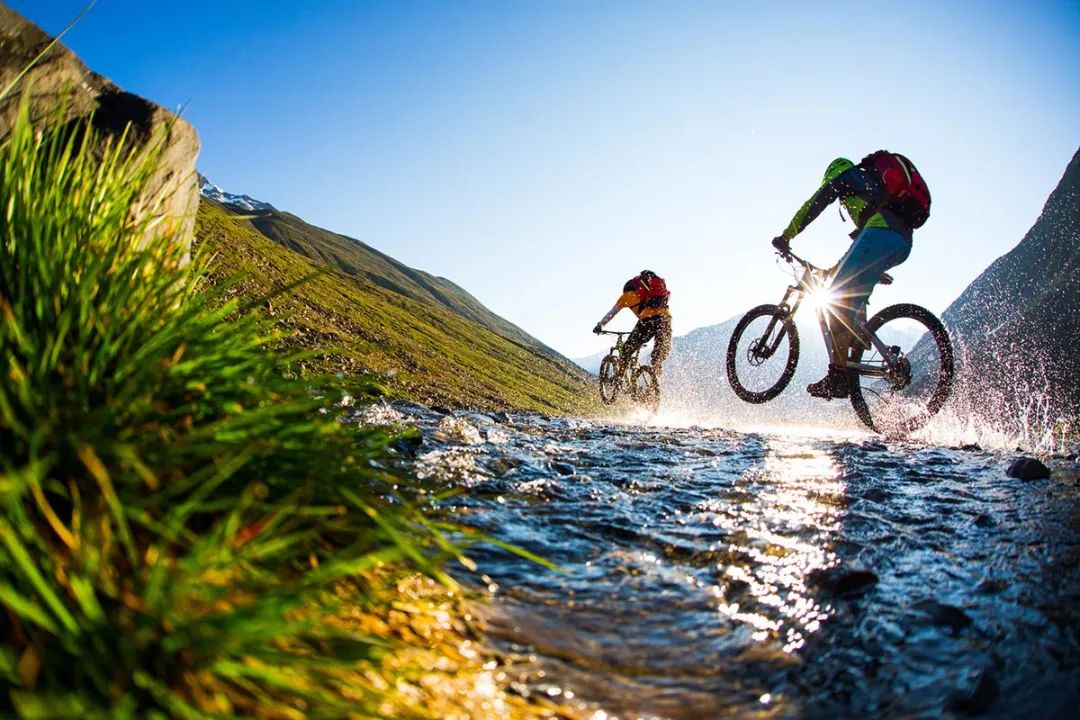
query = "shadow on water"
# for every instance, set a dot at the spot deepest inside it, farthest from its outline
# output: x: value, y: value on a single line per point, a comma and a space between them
x: 713, y: 573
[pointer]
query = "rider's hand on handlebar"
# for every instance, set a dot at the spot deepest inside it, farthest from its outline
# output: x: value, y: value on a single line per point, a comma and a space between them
x: 598, y: 329
x: 781, y: 244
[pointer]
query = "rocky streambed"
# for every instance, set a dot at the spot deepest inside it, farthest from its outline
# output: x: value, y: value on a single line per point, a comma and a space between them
x: 707, y: 573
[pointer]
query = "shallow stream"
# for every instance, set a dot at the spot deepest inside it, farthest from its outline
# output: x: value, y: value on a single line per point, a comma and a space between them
x: 709, y: 573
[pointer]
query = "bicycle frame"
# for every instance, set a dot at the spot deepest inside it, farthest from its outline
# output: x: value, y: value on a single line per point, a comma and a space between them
x: 617, y: 351
x: 815, y: 279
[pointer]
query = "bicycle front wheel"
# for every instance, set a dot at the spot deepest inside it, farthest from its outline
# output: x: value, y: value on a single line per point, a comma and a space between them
x: 762, y: 354
x: 898, y: 401
x: 609, y: 386
x: 646, y: 388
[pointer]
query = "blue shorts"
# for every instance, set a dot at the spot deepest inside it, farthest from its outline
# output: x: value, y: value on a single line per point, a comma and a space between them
x: 873, y: 251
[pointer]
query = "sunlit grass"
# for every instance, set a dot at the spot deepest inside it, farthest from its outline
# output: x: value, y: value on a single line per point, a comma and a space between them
x: 182, y: 523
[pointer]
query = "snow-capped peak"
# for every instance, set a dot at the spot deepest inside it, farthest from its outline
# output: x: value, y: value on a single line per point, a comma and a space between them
x: 240, y: 202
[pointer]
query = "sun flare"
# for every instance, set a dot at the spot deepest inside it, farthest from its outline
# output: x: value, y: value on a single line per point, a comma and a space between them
x: 821, y: 298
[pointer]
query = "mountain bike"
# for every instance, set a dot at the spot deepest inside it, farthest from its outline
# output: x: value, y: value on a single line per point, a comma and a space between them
x: 901, y: 362
x: 637, y: 381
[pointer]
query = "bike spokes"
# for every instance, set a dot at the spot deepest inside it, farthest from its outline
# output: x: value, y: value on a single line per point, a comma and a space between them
x: 897, y: 392
x: 762, y: 354
x: 646, y: 388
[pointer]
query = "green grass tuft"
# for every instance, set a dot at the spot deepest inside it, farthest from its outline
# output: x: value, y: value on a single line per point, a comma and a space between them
x: 177, y: 512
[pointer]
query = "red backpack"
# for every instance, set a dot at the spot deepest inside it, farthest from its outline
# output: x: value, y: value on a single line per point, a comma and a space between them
x: 906, y: 193
x: 651, y: 290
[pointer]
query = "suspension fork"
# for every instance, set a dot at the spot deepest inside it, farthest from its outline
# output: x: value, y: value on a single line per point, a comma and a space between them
x: 789, y: 310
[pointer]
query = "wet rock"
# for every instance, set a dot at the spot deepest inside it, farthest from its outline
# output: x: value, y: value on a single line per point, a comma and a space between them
x: 1026, y: 468
x: 991, y: 586
x: 381, y: 415
x: 495, y: 436
x: 943, y: 614
x: 502, y: 465
x: 408, y: 406
x: 503, y: 417
x: 971, y: 447
x: 456, y: 430
x: 842, y: 580
x: 876, y: 495
x: 977, y: 699
x: 59, y: 81
x: 563, y: 468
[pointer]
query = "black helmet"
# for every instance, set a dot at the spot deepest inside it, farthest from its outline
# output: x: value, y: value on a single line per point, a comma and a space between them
x: 631, y: 285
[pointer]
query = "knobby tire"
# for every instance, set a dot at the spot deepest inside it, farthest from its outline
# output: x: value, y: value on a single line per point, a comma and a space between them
x: 781, y: 383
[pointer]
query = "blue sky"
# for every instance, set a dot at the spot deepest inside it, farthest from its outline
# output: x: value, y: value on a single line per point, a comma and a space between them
x: 540, y: 153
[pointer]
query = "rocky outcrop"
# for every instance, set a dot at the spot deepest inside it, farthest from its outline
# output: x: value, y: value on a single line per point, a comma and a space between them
x: 1016, y: 328
x: 59, y: 81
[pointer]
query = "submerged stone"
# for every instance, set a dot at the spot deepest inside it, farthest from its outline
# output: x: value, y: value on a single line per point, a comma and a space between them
x: 976, y: 700
x: 1026, y: 468
x: 842, y: 580
x: 943, y: 614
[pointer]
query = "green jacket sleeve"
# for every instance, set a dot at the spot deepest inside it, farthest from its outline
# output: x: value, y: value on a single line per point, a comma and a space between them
x: 812, y: 208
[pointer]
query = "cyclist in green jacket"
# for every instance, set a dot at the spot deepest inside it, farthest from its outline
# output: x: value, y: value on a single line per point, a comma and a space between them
x: 882, y: 240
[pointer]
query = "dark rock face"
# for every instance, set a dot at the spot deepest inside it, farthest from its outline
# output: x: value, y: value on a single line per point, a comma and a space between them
x: 60, y: 79
x: 1017, y: 326
x: 1026, y: 468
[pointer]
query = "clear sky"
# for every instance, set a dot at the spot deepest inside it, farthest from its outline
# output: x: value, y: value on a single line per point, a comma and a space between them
x: 541, y: 153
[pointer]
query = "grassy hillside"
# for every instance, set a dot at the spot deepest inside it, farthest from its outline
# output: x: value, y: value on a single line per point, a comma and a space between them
x: 358, y: 323
x: 354, y: 258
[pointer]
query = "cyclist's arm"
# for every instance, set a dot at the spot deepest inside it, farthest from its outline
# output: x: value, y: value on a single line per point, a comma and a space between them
x: 627, y: 299
x: 812, y: 208
x: 853, y: 181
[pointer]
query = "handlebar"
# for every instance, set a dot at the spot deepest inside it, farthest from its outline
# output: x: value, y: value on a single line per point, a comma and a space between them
x: 790, y: 256
x: 613, y: 332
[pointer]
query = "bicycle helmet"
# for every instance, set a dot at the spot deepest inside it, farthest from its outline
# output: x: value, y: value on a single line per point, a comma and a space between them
x: 836, y: 167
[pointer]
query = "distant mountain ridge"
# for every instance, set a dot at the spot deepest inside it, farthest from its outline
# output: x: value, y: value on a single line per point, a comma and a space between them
x: 210, y: 191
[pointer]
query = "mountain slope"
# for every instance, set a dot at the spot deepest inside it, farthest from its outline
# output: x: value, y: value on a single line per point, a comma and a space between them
x: 1017, y: 326
x: 355, y: 258
x: 358, y: 323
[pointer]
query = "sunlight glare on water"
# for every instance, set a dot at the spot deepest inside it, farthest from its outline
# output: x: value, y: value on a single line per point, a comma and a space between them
x: 797, y: 482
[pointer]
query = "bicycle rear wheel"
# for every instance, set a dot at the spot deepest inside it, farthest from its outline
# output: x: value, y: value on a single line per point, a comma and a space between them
x: 762, y: 354
x: 900, y: 402
x: 646, y: 388
x: 609, y: 386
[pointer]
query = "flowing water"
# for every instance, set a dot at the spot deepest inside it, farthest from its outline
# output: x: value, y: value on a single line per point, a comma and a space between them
x: 708, y: 573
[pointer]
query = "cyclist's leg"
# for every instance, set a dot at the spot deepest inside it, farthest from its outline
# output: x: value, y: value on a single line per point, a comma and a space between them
x: 874, y: 251
x: 640, y: 335
x: 662, y: 346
